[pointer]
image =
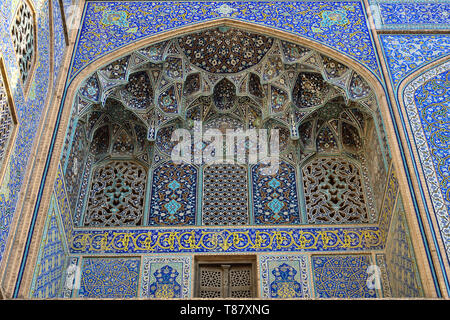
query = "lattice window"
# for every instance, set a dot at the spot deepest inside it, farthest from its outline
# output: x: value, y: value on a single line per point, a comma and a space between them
x: 24, y: 39
x: 225, y: 195
x: 225, y: 281
x: 240, y: 281
x: 8, y: 121
x: 333, y: 191
x: 116, y: 195
x: 211, y: 282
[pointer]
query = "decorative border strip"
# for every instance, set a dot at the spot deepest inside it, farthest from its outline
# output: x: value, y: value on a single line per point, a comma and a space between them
x: 380, y: 259
x: 225, y: 240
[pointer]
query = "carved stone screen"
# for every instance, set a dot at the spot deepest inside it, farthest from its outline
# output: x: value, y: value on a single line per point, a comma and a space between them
x: 116, y: 195
x: 225, y: 281
x: 333, y: 191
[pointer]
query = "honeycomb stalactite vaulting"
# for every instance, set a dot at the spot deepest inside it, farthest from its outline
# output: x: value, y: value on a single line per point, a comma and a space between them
x: 129, y: 109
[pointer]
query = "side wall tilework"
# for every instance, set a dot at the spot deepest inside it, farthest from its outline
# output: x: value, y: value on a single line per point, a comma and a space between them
x: 109, y: 278
x: 406, y: 53
x: 380, y: 259
x: 390, y: 196
x: 59, y: 40
x: 284, y: 276
x: 51, y: 258
x: 63, y: 202
x: 400, y: 260
x: 166, y: 277
x: 28, y: 108
x: 426, y: 100
x: 111, y: 25
x: 342, y: 276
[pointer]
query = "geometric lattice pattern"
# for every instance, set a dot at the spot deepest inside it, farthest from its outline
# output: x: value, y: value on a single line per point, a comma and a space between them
x: 341, y: 276
x: 333, y: 192
x: 225, y: 281
x: 225, y: 195
x: 109, y: 278
x: 166, y: 277
x: 284, y: 276
x: 240, y: 281
x: 211, y: 282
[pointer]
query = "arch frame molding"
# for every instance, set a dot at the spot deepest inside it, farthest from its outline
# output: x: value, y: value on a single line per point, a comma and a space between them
x: 69, y: 91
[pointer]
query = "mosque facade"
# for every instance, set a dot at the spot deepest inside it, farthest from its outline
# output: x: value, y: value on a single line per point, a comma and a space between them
x: 314, y: 140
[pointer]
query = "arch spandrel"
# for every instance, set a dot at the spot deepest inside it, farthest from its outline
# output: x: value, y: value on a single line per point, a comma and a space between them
x: 310, y: 20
